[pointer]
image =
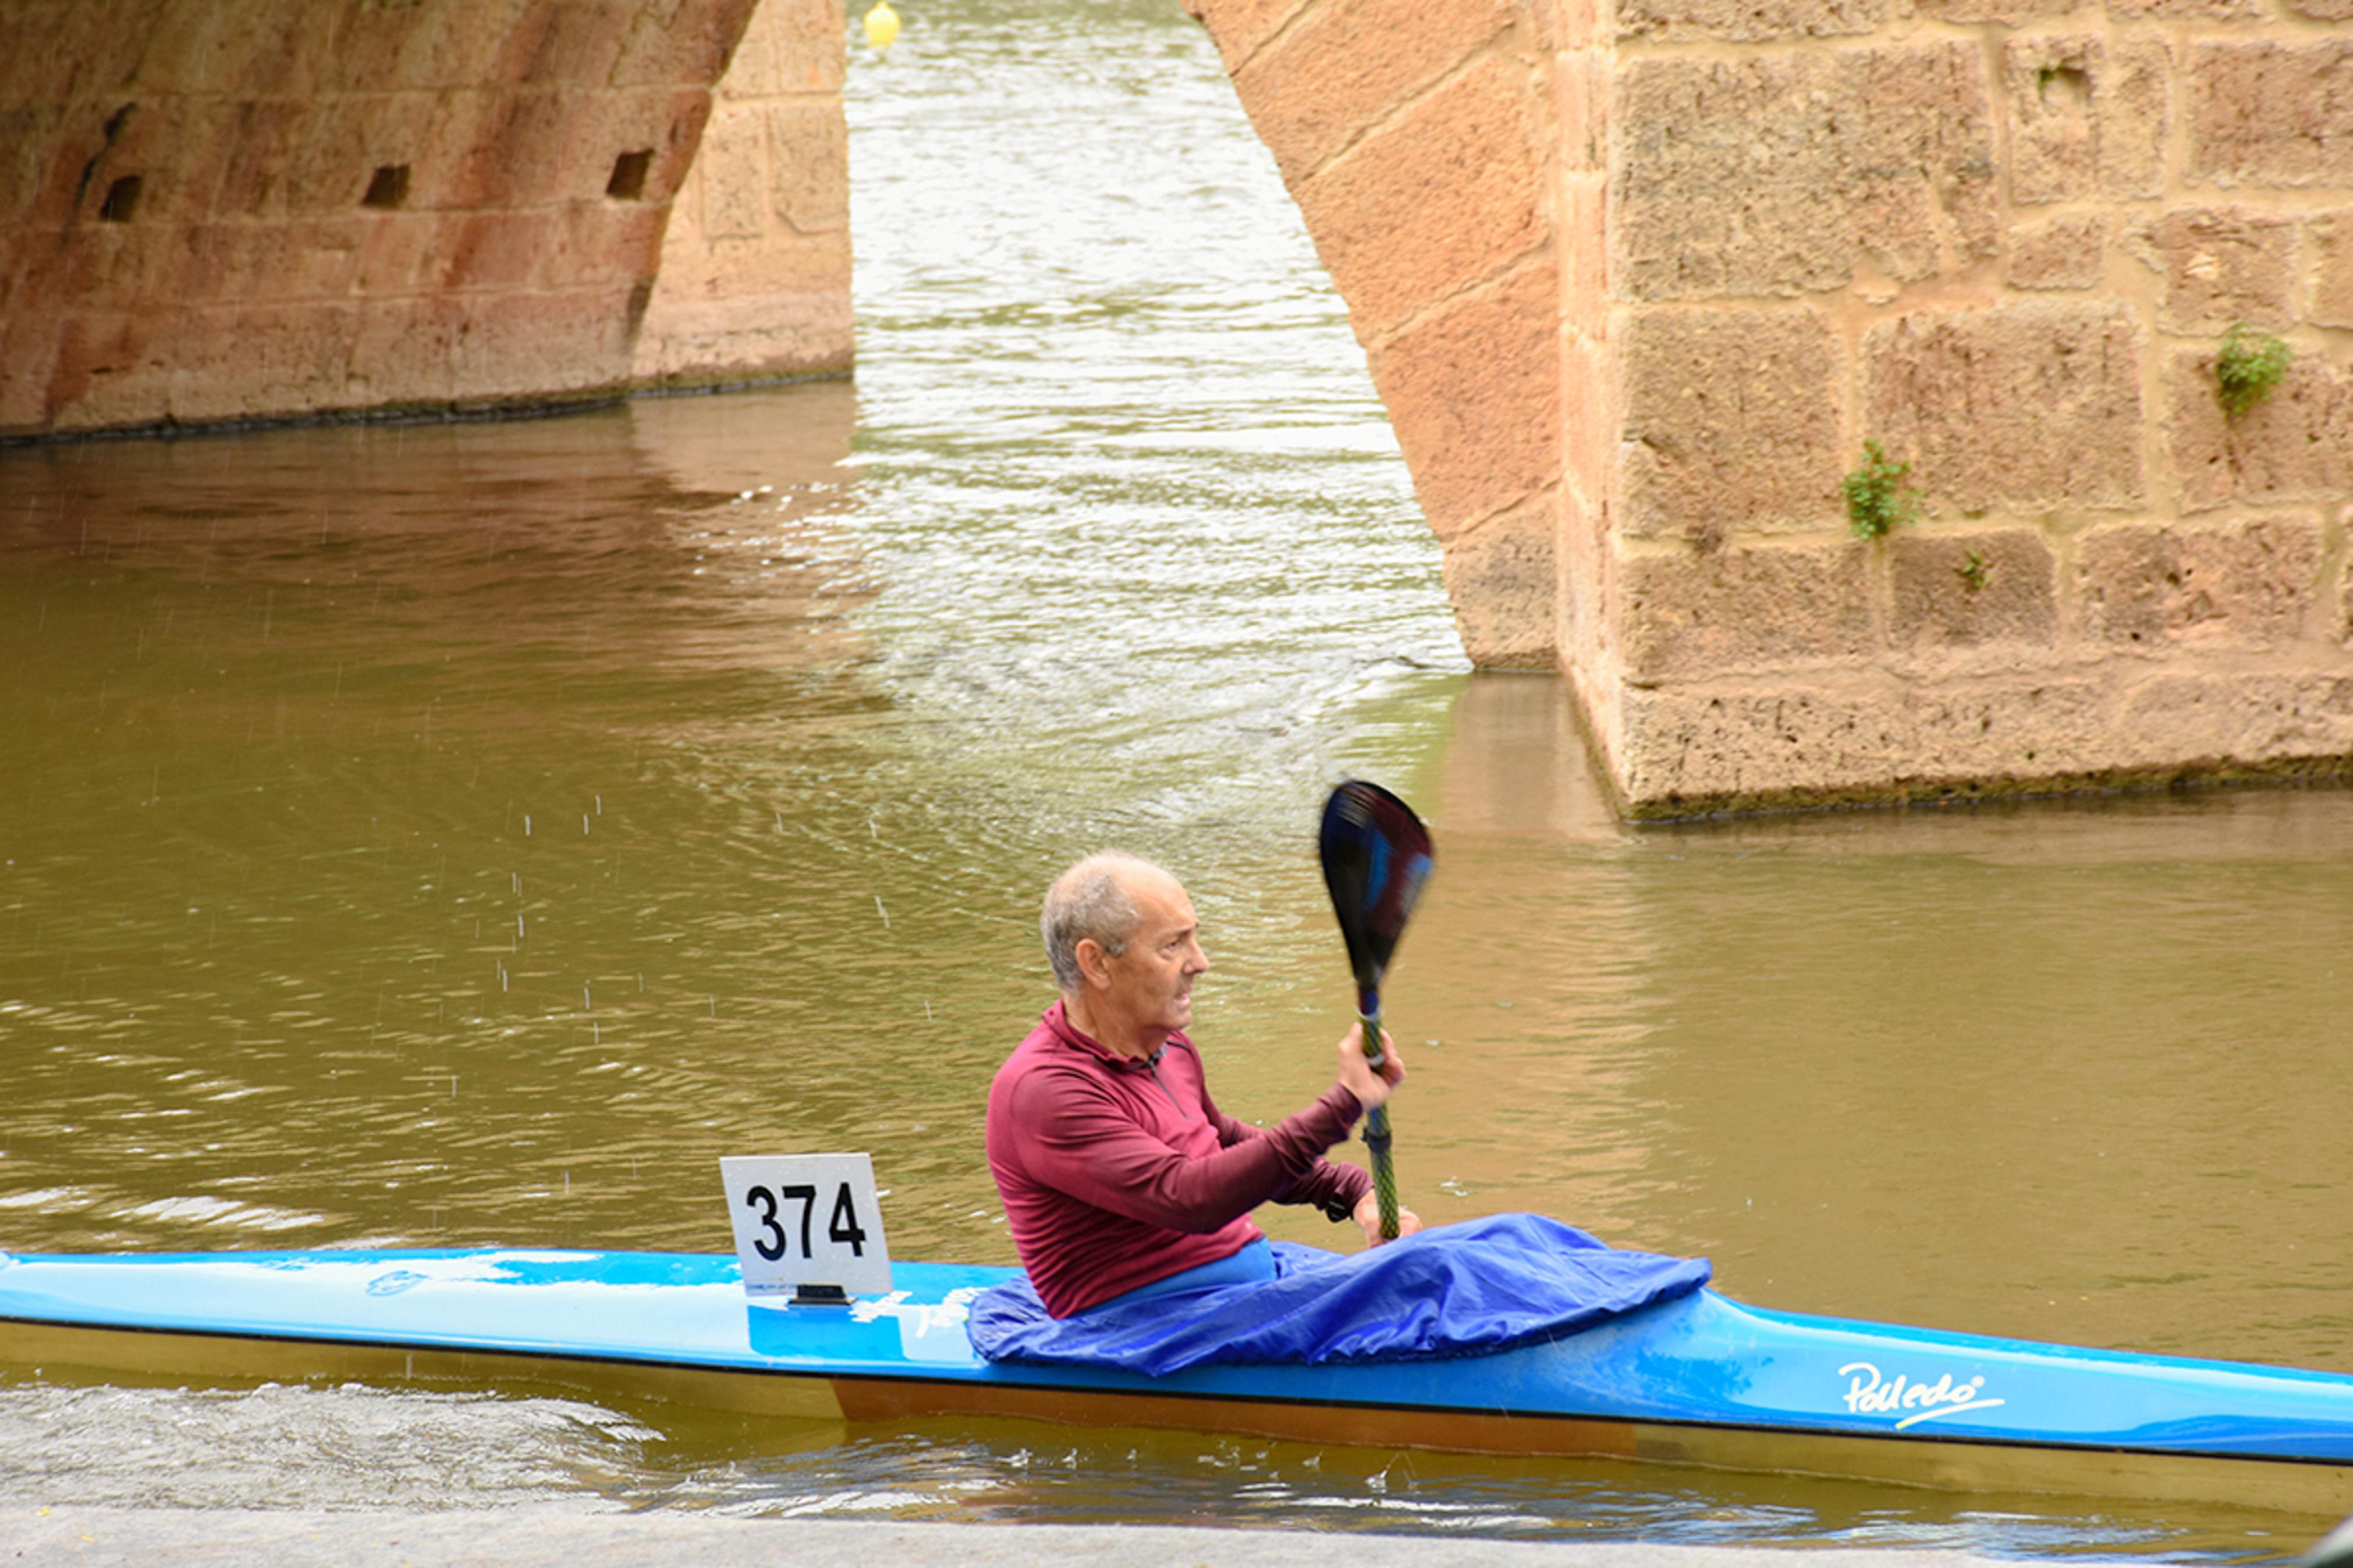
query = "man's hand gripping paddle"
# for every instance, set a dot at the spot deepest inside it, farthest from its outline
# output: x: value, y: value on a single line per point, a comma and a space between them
x: 1376, y: 856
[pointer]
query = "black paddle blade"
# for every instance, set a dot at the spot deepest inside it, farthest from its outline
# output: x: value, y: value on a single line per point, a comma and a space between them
x: 1376, y: 856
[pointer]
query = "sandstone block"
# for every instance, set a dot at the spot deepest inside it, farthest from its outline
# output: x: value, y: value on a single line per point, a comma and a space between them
x: 1747, y: 21
x: 2219, y: 267
x: 382, y: 48
x: 2272, y: 113
x: 2298, y: 716
x: 2186, y: 10
x: 2064, y: 253
x: 1239, y: 27
x: 112, y: 369
x: 579, y: 42
x: 1344, y: 67
x: 808, y: 43
x: 685, y: 44
x: 404, y: 353
x: 732, y: 169
x: 808, y: 164
x: 1980, y: 735
x: 2171, y: 720
x: 2323, y: 10
x: 400, y: 253
x: 227, y: 50
x: 43, y: 280
x: 1681, y: 752
x: 346, y: 137
x: 441, y: 45
x: 2330, y: 235
x: 469, y: 161
x: 1444, y: 196
x: 1502, y: 579
x: 1474, y: 393
x: 25, y: 133
x: 687, y: 225
x: 241, y: 361
x: 495, y: 251
x: 744, y: 338
x: 43, y: 166
x: 591, y: 243
x: 527, y: 344
x: 1755, y: 175
x: 128, y: 265
x: 1743, y: 610
x: 2249, y: 584
x: 54, y: 50
x: 531, y: 147
x: 2002, y: 13
x: 265, y: 137
x: 2295, y: 446
x: 2087, y: 120
x: 1731, y: 421
x: 754, y: 71
x: 2034, y: 407
x: 792, y: 45
x: 1967, y: 590
x: 29, y: 345
x: 99, y: 353
x: 316, y: 258
x: 771, y: 267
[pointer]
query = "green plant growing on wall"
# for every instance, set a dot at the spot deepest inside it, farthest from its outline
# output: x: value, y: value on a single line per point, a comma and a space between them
x: 1975, y: 570
x: 2248, y: 366
x: 1877, y: 499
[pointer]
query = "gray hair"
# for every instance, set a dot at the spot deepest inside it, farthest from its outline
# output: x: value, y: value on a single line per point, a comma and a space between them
x: 1089, y: 902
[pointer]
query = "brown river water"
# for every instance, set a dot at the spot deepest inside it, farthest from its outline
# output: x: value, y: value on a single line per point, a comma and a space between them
x: 430, y: 836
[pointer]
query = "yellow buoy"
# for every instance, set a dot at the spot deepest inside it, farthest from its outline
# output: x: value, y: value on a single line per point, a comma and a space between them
x: 882, y: 26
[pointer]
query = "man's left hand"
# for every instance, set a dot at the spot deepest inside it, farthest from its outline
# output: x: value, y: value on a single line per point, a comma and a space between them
x: 1368, y: 1215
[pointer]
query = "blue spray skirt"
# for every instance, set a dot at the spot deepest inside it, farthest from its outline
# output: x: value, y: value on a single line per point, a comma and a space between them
x: 1696, y: 1378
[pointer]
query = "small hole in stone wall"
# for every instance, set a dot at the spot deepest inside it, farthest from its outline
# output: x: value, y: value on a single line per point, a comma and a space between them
x: 388, y: 190
x: 628, y: 181
x: 121, y: 200
x: 2068, y: 84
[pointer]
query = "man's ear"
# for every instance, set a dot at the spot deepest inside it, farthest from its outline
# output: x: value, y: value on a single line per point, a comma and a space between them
x: 1094, y: 964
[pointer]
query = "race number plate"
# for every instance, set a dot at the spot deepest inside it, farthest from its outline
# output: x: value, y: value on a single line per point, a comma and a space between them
x: 806, y: 1220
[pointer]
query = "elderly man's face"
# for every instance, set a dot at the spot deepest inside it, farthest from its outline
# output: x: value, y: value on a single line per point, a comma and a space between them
x: 1150, y: 985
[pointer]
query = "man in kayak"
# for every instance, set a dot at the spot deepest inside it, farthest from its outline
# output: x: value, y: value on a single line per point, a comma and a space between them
x: 1119, y: 1174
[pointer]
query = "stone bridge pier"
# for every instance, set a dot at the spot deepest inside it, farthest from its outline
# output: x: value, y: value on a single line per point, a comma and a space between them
x: 1640, y: 282
x: 215, y: 211
x: 1638, y: 279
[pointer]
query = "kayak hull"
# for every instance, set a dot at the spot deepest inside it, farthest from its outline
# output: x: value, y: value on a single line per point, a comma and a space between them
x: 1699, y: 1379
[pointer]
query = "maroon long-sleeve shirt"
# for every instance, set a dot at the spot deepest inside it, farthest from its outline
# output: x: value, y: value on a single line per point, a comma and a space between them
x: 1118, y: 1171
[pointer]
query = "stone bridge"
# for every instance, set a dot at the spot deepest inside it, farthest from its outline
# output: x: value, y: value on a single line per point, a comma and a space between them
x: 222, y: 210
x: 1637, y: 280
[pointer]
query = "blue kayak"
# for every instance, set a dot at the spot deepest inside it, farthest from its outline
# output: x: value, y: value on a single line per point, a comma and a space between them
x: 1698, y: 1379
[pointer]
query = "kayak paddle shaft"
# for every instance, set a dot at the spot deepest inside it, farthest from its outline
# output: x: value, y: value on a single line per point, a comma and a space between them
x: 1376, y: 1122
